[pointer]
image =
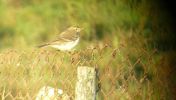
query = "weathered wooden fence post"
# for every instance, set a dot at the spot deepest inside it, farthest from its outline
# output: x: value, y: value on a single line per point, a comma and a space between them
x: 85, y: 86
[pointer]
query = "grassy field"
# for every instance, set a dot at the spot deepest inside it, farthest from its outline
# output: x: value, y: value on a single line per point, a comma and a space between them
x: 118, y: 39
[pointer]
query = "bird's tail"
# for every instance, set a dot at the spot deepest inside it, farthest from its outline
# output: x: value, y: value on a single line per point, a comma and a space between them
x: 43, y: 45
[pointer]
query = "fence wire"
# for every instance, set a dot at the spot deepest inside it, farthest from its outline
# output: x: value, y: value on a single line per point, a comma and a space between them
x: 121, y: 73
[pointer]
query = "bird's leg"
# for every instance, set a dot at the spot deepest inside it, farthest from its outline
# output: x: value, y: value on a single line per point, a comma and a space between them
x: 72, y: 52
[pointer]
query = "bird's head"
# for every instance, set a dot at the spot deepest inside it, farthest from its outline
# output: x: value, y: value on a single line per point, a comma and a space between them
x: 77, y: 29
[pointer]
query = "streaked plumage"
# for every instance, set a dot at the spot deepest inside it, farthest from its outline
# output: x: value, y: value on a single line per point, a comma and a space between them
x: 66, y: 40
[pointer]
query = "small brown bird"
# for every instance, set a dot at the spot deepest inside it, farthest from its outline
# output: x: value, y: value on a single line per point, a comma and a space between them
x: 66, y: 40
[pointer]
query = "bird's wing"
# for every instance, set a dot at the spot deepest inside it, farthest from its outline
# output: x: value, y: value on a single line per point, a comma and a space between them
x: 68, y: 35
x: 58, y: 41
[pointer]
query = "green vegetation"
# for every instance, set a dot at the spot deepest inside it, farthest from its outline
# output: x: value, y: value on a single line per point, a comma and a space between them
x: 121, y: 38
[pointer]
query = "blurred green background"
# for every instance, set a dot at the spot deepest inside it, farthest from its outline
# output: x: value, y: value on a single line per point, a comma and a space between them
x: 26, y: 23
x: 145, y: 24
